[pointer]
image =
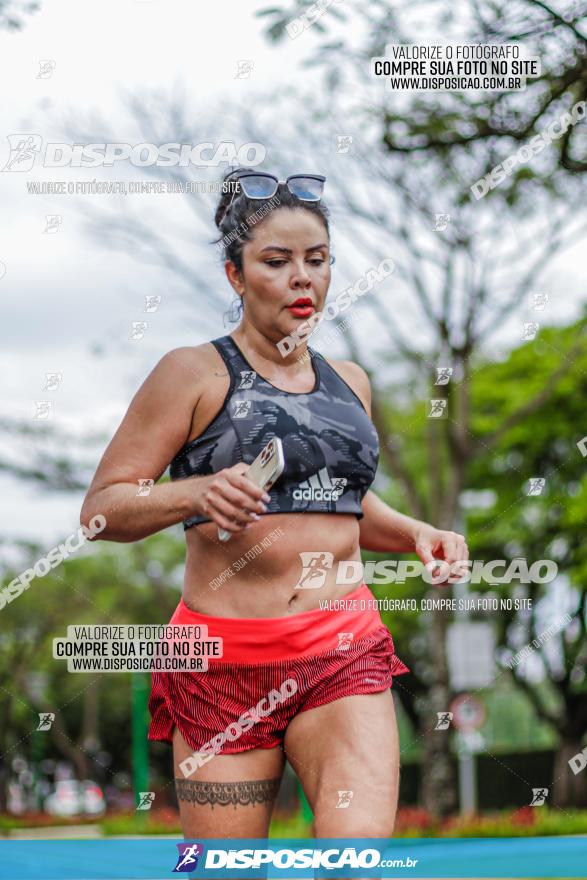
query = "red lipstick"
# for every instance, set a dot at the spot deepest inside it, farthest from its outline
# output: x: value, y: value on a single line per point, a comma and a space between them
x: 302, y: 307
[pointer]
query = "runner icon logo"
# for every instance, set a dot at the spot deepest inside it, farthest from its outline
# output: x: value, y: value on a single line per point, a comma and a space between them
x: 320, y: 487
x: 188, y: 856
x: 315, y: 564
x: 247, y: 378
x: 344, y: 641
x: 46, y: 719
x: 344, y: 800
x: 146, y: 799
x: 539, y: 796
x: 241, y: 408
x: 444, y: 719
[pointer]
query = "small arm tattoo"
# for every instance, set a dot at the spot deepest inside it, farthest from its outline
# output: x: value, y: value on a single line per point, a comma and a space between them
x: 258, y: 791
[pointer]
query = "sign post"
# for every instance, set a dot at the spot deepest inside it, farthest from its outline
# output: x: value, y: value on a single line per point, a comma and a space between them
x: 468, y: 716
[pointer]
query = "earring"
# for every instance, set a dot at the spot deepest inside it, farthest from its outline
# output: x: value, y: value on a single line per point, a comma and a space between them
x: 233, y: 314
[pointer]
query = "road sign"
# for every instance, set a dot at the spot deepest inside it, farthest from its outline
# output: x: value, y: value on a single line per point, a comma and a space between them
x: 468, y: 713
x: 471, y: 649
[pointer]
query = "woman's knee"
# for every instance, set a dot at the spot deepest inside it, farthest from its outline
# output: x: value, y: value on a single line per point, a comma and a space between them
x: 364, y: 815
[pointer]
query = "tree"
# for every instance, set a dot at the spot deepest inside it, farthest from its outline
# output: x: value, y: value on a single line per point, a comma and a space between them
x: 452, y: 289
x: 546, y: 444
x: 487, y: 125
x: 12, y: 13
x: 437, y: 142
x: 115, y: 585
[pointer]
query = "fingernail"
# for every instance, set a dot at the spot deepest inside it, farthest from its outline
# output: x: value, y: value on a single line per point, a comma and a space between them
x: 255, y: 516
x: 266, y: 497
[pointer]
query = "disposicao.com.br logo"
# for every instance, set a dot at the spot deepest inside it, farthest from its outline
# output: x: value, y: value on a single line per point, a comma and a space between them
x: 26, y: 150
x: 285, y: 858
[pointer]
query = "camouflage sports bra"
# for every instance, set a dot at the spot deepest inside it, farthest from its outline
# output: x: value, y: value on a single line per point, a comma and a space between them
x: 330, y: 444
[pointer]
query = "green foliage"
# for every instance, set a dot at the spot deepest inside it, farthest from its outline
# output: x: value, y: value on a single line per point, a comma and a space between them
x: 540, y: 822
x: 104, y: 583
x: 159, y: 822
x: 513, y: 442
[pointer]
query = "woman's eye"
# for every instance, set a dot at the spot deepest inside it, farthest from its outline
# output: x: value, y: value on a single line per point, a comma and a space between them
x: 316, y: 261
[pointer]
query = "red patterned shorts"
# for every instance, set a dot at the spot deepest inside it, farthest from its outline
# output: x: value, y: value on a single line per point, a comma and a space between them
x: 271, y: 669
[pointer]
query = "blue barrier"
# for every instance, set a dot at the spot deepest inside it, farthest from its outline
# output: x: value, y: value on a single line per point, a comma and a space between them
x: 156, y: 859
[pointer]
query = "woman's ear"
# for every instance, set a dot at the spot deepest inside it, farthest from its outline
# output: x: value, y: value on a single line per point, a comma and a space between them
x: 235, y: 277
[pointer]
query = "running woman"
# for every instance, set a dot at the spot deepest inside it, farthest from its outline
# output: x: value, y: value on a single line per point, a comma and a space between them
x: 294, y: 680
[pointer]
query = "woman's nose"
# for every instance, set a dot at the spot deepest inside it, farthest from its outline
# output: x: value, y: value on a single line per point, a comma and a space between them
x: 300, y: 275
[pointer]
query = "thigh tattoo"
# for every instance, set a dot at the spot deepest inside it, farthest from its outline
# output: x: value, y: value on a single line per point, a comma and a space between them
x: 258, y: 791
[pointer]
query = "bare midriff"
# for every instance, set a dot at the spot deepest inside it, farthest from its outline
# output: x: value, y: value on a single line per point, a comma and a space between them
x: 260, y: 571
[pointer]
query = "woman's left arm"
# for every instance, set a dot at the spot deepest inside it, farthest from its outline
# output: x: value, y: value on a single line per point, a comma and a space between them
x: 383, y: 529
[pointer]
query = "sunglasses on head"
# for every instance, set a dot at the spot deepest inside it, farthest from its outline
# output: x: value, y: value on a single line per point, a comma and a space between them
x: 260, y: 185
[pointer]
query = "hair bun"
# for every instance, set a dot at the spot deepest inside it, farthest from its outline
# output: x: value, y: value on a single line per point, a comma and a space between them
x: 226, y: 196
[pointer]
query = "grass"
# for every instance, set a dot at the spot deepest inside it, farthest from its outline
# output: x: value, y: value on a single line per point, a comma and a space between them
x: 411, y: 823
x: 43, y: 820
x: 525, y: 822
x: 296, y: 827
x: 167, y: 822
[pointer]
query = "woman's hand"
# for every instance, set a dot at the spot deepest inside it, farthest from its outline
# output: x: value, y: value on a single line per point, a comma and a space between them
x: 432, y: 544
x: 230, y: 500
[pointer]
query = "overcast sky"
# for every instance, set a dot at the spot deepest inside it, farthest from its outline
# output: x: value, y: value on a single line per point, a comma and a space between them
x: 67, y: 303
x: 62, y: 295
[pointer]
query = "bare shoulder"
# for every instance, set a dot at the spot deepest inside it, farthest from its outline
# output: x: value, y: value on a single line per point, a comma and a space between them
x: 178, y: 381
x: 159, y: 418
x: 356, y: 377
x: 189, y: 366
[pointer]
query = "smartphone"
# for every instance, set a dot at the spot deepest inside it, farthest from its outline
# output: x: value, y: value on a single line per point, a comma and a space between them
x: 263, y: 472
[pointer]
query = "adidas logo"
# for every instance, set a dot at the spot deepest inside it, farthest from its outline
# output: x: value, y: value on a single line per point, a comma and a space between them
x: 319, y: 487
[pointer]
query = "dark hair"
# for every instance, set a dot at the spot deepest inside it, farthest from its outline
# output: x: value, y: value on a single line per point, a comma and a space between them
x: 242, y: 210
x: 244, y: 214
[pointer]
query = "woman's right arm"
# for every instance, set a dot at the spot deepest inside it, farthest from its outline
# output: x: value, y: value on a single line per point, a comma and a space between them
x: 155, y: 427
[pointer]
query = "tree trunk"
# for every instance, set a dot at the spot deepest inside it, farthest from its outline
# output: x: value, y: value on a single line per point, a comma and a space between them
x: 570, y: 789
x: 5, y: 708
x: 438, y: 784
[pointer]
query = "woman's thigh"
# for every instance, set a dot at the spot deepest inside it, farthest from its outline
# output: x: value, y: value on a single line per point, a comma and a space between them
x: 231, y: 795
x: 346, y: 755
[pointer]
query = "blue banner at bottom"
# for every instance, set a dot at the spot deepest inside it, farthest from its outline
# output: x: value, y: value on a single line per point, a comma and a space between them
x: 157, y: 859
